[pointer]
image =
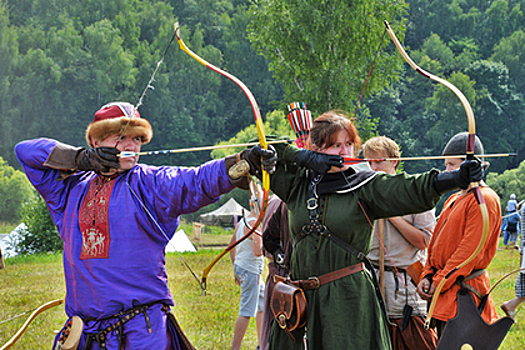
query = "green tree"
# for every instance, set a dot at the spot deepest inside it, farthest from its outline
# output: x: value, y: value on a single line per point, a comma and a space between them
x: 443, y: 17
x: 507, y: 183
x: 276, y: 125
x: 242, y: 60
x: 322, y: 51
x: 15, y: 189
x: 61, y: 61
x: 511, y: 51
x: 466, y: 51
x: 435, y: 49
x: 8, y: 57
x: 498, y: 111
x: 451, y: 115
x: 194, y: 106
x: 501, y: 20
x: 40, y: 234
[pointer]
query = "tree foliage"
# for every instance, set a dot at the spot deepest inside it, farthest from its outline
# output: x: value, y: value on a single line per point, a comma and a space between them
x: 15, y: 189
x: 511, y: 52
x: 60, y: 61
x: 276, y: 125
x: 40, y: 234
x: 321, y: 51
x: 476, y: 46
x: 507, y: 183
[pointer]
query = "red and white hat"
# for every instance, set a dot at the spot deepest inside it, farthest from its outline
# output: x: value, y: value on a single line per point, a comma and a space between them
x: 118, y: 118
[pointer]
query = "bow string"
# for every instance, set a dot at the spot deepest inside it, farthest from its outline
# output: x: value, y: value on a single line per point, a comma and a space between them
x: 470, y: 155
x: 262, y: 141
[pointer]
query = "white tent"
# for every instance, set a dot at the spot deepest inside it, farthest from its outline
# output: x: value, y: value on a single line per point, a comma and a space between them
x: 7, y: 242
x: 224, y: 215
x: 180, y: 243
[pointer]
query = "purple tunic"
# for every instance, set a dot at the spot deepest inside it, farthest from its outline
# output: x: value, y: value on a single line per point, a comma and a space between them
x: 134, y: 272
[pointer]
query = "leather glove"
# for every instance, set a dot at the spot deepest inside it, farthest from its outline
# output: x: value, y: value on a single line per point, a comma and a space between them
x: 318, y: 162
x: 469, y: 171
x: 269, y: 159
x: 100, y: 160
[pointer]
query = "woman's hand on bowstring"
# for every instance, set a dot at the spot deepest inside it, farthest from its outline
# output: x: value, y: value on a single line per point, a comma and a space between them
x: 318, y: 162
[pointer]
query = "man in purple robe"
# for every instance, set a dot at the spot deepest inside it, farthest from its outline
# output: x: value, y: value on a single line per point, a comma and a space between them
x: 115, y: 218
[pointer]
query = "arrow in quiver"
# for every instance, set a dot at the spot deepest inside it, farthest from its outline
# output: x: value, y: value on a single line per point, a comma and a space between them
x: 468, y: 331
x: 301, y: 121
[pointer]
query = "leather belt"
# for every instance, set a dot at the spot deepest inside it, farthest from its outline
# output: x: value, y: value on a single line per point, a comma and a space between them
x: 316, y: 282
x: 475, y: 274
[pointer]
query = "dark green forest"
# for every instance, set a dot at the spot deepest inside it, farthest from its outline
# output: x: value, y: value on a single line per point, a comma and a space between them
x: 61, y: 60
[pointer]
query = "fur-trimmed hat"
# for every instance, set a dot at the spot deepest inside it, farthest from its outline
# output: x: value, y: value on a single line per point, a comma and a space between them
x: 118, y: 118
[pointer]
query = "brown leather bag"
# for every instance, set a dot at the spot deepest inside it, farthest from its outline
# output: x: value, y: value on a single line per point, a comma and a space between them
x: 288, y: 305
x: 414, y: 271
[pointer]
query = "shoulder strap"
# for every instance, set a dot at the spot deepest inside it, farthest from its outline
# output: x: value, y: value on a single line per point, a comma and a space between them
x: 315, y: 226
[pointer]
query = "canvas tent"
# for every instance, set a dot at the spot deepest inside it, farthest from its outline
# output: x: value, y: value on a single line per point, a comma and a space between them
x: 7, y: 242
x: 224, y: 215
x: 180, y: 243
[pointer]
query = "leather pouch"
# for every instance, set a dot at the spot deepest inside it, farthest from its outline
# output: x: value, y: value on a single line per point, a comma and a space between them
x: 70, y: 336
x: 414, y: 271
x: 288, y: 305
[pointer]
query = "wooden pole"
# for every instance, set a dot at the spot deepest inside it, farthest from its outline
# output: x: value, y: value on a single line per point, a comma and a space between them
x: 2, y: 263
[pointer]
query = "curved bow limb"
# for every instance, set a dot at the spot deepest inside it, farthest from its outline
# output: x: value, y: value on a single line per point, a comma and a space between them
x: 262, y: 141
x: 30, y: 319
x: 470, y: 155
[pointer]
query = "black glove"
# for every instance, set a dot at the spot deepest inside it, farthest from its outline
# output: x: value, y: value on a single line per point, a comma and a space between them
x: 469, y: 171
x: 100, y: 160
x: 269, y: 159
x: 318, y: 162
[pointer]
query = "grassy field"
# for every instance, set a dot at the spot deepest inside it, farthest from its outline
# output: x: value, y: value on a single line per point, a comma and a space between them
x: 6, y: 227
x: 213, y: 237
x: 208, y: 320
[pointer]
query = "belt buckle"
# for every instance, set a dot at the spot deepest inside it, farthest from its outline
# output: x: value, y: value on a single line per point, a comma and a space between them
x: 281, y: 320
x: 311, y: 204
x: 316, y: 280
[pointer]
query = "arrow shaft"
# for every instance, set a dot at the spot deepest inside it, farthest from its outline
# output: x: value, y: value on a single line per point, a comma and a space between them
x: 196, y: 149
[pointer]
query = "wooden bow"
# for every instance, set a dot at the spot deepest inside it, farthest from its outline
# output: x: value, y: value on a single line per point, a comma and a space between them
x: 30, y: 319
x: 470, y: 155
x: 262, y: 141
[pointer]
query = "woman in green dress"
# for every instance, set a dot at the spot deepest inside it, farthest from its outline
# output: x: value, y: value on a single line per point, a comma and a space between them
x: 332, y: 234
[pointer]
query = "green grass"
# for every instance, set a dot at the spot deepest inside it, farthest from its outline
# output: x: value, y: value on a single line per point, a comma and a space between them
x: 211, y: 241
x: 6, y: 227
x: 504, y: 262
x: 26, y: 284
x: 29, y: 282
x: 212, y: 237
x: 208, y: 320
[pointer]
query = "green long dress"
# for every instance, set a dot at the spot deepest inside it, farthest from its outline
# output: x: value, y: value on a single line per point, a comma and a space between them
x: 344, y: 314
